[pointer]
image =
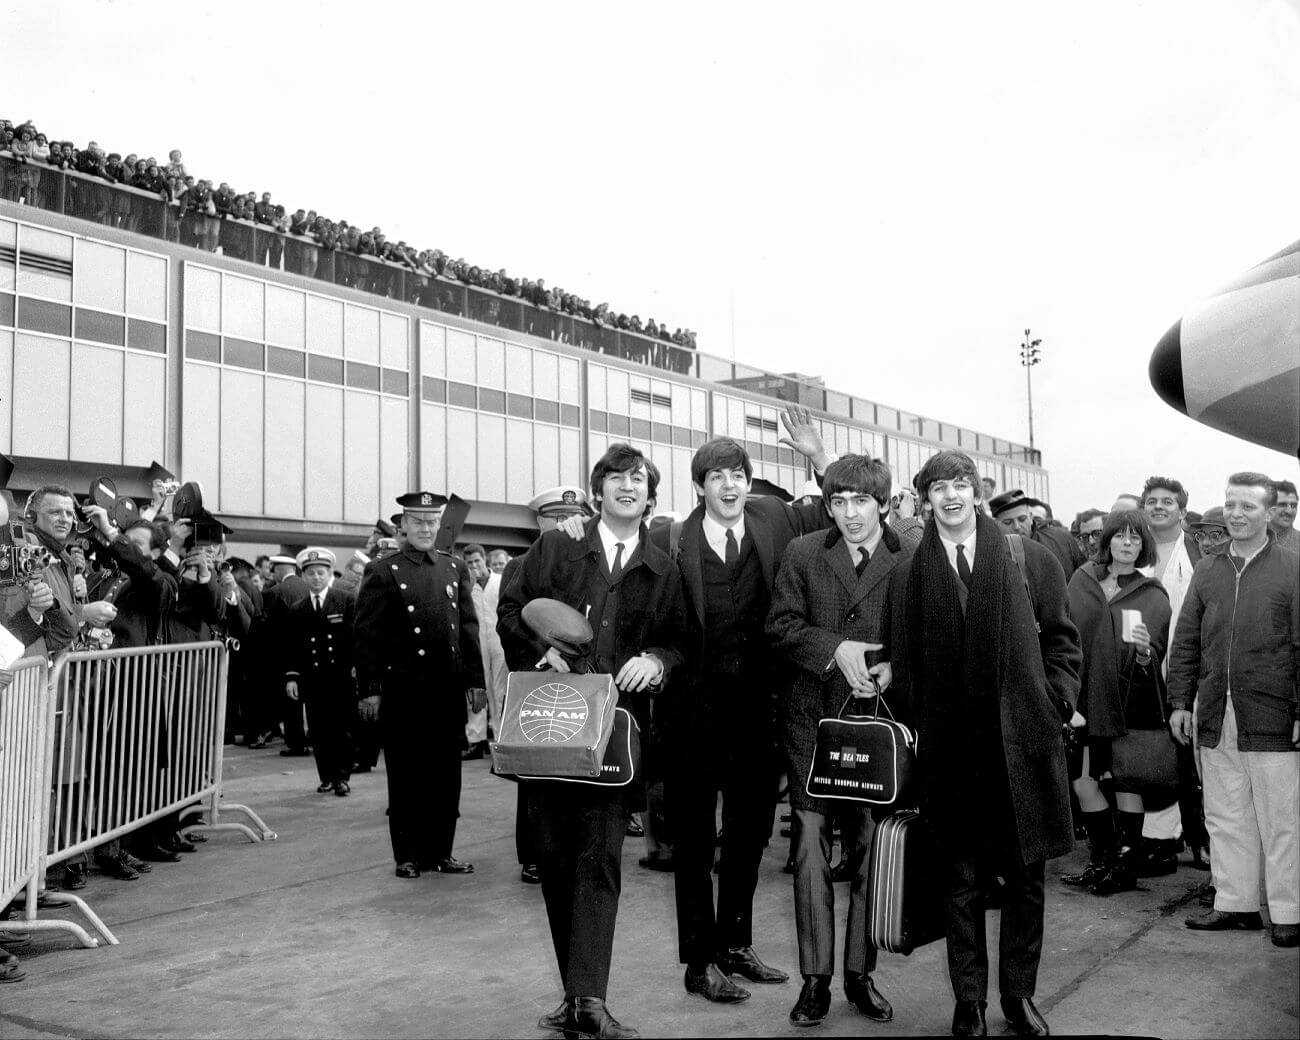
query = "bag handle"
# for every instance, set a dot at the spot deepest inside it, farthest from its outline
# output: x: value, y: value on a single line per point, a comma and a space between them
x: 879, y: 702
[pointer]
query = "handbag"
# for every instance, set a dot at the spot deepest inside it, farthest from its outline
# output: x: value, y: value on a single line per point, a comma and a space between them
x: 1145, y: 761
x: 555, y: 724
x: 621, y: 763
x: 862, y: 758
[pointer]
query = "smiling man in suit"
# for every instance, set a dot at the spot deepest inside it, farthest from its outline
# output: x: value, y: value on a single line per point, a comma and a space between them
x: 828, y: 619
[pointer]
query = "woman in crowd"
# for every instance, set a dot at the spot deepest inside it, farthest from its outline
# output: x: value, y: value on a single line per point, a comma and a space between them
x: 1121, y: 689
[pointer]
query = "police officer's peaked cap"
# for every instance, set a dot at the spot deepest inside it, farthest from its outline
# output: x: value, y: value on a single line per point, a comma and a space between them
x: 564, y: 500
x: 999, y: 504
x: 422, y: 500
x: 314, y: 554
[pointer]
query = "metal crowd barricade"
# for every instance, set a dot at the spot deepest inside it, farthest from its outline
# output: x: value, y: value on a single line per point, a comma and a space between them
x: 24, y: 716
x: 132, y: 735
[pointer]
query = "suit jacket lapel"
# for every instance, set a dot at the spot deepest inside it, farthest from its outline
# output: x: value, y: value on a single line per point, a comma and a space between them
x: 878, y: 568
x: 689, y: 549
x: 839, y: 561
x: 757, y: 527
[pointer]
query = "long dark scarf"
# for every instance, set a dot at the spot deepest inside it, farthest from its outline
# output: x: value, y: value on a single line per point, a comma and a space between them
x: 955, y: 663
x: 955, y: 658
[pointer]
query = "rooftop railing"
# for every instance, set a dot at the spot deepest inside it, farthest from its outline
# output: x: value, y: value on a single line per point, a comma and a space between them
x: 141, y: 212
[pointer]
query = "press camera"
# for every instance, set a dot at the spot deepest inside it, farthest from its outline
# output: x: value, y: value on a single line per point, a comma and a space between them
x: 21, y: 558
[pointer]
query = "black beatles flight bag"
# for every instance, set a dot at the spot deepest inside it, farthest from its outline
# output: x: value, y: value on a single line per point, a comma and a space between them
x: 862, y: 758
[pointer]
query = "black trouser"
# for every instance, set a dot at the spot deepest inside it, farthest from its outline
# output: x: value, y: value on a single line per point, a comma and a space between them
x: 726, y: 751
x: 291, y: 711
x: 580, y: 829
x: 525, y: 828
x: 1020, y: 939
x: 422, y: 759
x: 366, y: 739
x: 331, y: 706
x: 814, y: 894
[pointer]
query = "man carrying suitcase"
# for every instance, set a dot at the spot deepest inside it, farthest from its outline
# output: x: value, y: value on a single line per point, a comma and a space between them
x: 989, y: 673
x: 828, y: 617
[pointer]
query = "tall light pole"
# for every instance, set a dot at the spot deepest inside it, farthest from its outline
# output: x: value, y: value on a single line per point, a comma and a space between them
x: 1030, y: 355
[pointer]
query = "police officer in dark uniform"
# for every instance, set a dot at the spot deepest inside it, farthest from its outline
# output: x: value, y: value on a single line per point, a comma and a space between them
x: 416, y: 652
x: 319, y: 668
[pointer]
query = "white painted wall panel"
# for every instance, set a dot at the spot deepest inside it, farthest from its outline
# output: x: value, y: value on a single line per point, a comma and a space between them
x: 462, y: 429
x: 41, y: 387
x: 95, y: 433
x: 324, y: 452
x: 201, y: 425
x: 286, y: 432
x: 243, y: 450
x: 360, y: 457
x: 394, y: 450
x: 144, y: 426
x: 433, y: 448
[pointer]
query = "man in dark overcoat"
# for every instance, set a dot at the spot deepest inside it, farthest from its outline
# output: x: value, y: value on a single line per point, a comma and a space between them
x: 318, y: 672
x: 630, y: 592
x: 989, y: 674
x: 828, y: 620
x: 416, y: 653
x: 717, y: 731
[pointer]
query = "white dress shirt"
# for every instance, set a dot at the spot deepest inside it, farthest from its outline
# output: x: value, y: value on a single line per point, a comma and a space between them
x: 716, y: 535
x: 610, y: 542
x: 951, y: 549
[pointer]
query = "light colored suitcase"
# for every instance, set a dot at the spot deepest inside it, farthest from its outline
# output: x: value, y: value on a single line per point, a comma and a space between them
x: 904, y: 899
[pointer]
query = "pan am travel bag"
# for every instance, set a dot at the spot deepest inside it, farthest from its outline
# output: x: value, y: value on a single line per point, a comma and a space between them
x: 555, y: 724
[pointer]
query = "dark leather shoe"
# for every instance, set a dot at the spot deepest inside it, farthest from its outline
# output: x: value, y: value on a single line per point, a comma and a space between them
x: 1023, y: 1017
x: 325, y: 787
x: 589, y: 1018
x: 117, y: 867
x: 814, y: 1001
x: 406, y: 870
x: 179, y: 843
x: 474, y: 752
x: 342, y: 789
x: 634, y: 828
x: 157, y: 854
x: 864, y: 996
x: 711, y: 984
x: 1225, y: 921
x: 530, y: 875
x: 451, y: 865
x: 968, y: 1018
x: 663, y: 863
x: 290, y: 752
x: 555, y: 1020
x: 1286, y: 935
x: 136, y: 864
x: 1087, y: 877
x: 361, y: 768
x: 743, y: 961
x: 74, y: 878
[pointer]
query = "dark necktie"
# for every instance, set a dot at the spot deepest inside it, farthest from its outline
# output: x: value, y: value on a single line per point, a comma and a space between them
x: 963, y: 566
x: 732, y: 549
x: 863, y: 557
x: 316, y: 602
x: 617, y: 568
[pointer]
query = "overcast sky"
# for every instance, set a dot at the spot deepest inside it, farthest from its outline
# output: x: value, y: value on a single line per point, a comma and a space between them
x: 885, y: 195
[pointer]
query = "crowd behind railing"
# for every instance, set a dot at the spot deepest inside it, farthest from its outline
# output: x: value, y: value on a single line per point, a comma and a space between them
x: 220, y: 219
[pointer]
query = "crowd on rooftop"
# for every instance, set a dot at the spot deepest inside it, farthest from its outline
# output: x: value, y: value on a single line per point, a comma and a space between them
x: 208, y: 219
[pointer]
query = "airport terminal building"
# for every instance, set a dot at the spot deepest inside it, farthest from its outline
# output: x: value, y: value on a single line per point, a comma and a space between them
x: 308, y: 395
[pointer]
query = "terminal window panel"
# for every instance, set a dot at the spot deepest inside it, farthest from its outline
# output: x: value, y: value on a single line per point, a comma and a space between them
x: 361, y: 463
x: 570, y: 458
x: 462, y: 467
x: 546, y: 457
x: 519, y: 462
x: 491, y: 458
x: 283, y: 483
x: 243, y: 449
x: 95, y: 427
x: 42, y: 386
x: 433, y: 447
x: 394, y: 455
x: 201, y: 425
x: 324, y: 452
x: 6, y: 391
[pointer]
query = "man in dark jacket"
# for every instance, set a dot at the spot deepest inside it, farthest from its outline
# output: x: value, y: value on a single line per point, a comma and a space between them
x: 416, y: 652
x: 1236, y: 658
x: 1012, y: 509
x: 828, y: 619
x: 631, y: 594
x: 319, y: 668
x: 287, y: 590
x: 717, y: 726
x: 988, y: 695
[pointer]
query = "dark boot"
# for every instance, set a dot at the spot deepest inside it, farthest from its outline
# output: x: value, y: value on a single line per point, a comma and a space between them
x: 1121, y: 872
x: 589, y: 1018
x: 814, y: 1001
x: 1101, y: 847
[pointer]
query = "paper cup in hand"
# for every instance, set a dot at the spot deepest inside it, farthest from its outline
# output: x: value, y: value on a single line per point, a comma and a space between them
x: 1128, y: 619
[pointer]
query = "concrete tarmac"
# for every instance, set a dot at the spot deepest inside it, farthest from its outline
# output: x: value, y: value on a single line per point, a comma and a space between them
x: 312, y: 936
